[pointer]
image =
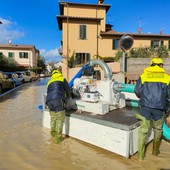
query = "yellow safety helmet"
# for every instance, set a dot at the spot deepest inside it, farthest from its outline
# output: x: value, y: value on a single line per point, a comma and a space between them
x: 156, y: 60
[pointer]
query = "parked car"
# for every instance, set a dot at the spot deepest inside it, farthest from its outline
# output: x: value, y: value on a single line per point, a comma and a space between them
x: 26, y: 78
x: 34, y: 76
x: 42, y: 75
x: 15, y: 78
x: 5, y: 82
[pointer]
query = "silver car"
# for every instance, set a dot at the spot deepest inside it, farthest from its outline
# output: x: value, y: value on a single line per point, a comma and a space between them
x: 26, y: 78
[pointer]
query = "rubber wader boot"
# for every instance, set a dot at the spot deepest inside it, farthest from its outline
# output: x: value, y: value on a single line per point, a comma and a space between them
x: 60, y: 116
x: 142, y: 135
x: 157, y: 128
x: 53, y: 123
x: 156, y: 145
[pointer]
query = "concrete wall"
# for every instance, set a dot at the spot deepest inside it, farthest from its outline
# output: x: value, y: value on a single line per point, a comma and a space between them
x: 114, y: 66
x: 137, y: 65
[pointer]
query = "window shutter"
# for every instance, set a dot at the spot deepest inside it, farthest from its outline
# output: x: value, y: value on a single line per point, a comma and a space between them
x: 152, y: 43
x: 113, y: 44
x: 10, y: 55
x: 82, y: 31
x: 26, y: 55
x: 88, y: 57
x: 78, y: 58
x: 162, y: 43
x: 20, y: 55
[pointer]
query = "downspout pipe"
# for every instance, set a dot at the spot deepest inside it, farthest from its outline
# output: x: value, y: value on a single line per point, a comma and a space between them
x: 104, y: 66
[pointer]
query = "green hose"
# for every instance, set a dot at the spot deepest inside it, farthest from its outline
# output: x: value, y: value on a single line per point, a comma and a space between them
x: 128, y: 88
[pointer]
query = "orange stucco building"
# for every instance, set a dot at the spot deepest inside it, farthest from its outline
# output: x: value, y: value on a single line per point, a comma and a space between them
x: 86, y: 35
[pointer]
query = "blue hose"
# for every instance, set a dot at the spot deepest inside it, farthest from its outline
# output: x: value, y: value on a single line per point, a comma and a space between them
x: 78, y: 75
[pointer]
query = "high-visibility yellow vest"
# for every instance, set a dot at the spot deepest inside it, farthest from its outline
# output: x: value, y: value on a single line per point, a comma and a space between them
x: 155, y: 74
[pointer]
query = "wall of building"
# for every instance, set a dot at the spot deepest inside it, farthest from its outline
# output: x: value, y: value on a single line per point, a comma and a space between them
x: 94, y: 44
x: 30, y: 61
x: 146, y: 42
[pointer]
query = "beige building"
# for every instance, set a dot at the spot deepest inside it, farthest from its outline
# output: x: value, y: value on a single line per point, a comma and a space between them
x: 85, y: 34
x: 24, y: 55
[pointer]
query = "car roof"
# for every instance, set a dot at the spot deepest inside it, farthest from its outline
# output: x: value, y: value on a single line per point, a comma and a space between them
x: 9, y: 72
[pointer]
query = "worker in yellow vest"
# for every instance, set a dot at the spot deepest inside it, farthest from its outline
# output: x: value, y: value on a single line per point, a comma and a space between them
x: 58, y: 93
x: 153, y: 91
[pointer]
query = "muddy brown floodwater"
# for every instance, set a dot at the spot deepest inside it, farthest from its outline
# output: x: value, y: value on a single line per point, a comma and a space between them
x: 26, y: 145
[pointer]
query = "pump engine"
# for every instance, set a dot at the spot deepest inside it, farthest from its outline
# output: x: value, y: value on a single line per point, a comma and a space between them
x: 103, y: 95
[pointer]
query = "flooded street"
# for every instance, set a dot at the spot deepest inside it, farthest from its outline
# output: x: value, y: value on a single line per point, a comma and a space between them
x: 26, y: 145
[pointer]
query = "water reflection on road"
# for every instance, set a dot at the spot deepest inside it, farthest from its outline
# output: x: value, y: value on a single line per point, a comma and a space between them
x: 26, y: 145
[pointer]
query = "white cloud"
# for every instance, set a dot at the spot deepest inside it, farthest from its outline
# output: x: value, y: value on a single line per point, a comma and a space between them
x: 9, y: 31
x: 51, y: 55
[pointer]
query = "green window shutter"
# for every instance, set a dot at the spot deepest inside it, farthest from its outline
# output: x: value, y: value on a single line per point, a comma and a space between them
x: 26, y: 55
x: 152, y: 43
x: 82, y: 32
x: 162, y: 43
x: 20, y: 54
x: 113, y: 44
x: 88, y: 57
x: 10, y: 54
x: 78, y: 58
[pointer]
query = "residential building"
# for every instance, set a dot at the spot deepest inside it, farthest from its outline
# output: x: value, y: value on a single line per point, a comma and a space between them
x: 24, y: 55
x: 85, y: 34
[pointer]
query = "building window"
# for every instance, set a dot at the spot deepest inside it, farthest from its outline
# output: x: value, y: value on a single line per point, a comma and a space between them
x: 1, y: 54
x: 156, y: 43
x: 82, y: 32
x: 11, y: 55
x: 23, y: 55
x: 82, y: 58
x: 169, y: 44
x: 115, y: 44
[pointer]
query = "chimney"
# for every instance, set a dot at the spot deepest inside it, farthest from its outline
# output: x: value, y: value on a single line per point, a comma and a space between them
x: 161, y: 32
x: 100, y: 2
x: 139, y: 30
